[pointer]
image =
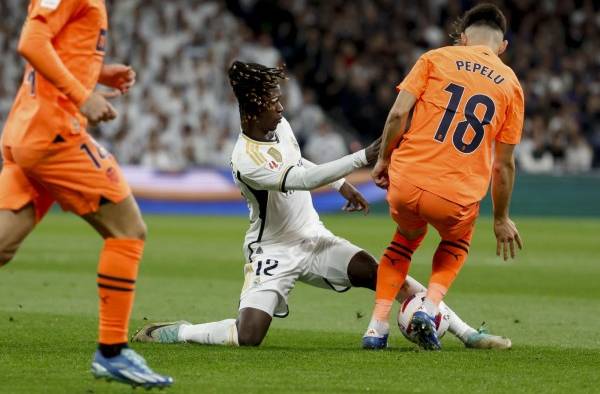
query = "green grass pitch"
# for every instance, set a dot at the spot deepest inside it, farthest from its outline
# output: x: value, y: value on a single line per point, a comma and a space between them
x: 547, y: 301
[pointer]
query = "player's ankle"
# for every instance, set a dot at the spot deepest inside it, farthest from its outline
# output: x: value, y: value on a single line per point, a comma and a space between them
x: 111, y: 350
x: 382, y: 327
x: 382, y: 310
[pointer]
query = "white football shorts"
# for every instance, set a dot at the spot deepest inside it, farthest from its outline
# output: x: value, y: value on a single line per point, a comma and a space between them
x: 320, y: 261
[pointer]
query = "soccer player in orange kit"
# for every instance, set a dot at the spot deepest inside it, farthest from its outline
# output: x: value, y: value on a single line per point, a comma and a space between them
x: 457, y: 118
x: 49, y: 156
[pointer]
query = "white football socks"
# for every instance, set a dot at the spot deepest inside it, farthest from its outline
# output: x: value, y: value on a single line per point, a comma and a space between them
x: 457, y: 326
x: 411, y: 286
x: 222, y: 332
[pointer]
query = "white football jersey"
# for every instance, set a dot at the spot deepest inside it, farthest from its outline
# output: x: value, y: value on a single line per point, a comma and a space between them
x: 259, y: 169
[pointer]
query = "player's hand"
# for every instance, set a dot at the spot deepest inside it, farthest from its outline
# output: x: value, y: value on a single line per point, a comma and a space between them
x: 97, y: 108
x: 506, y: 237
x: 372, y: 151
x: 118, y: 76
x: 356, y: 201
x: 380, y: 174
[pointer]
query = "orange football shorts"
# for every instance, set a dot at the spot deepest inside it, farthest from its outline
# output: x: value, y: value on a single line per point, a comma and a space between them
x: 78, y: 174
x: 412, y: 208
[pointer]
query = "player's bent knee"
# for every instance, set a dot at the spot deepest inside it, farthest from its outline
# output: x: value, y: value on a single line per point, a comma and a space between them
x: 120, y: 220
x: 250, y: 338
x: 252, y: 326
x: 141, y: 230
x: 412, y: 235
x: 134, y: 230
x: 362, y: 270
x: 251, y: 333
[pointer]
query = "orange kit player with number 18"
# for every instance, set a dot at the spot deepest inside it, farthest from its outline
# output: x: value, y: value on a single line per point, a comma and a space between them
x: 49, y: 156
x: 454, y: 125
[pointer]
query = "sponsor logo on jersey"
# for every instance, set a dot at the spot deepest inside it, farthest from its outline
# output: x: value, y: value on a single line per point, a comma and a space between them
x: 101, y: 45
x: 273, y: 165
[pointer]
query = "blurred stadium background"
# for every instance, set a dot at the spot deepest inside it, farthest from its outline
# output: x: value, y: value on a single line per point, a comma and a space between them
x: 177, y: 127
x: 174, y: 135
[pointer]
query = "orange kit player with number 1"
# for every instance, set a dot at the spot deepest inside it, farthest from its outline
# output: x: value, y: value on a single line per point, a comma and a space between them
x: 49, y: 156
x: 454, y: 125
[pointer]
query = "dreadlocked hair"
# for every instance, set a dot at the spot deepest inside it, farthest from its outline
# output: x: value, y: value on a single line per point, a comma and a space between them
x: 484, y: 14
x: 251, y: 83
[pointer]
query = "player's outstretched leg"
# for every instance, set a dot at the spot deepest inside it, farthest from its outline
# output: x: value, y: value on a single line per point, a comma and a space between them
x: 215, y: 333
x: 248, y: 330
x: 124, y: 232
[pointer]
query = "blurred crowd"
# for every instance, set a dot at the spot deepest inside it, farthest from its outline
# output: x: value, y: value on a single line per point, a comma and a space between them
x: 344, y: 60
x: 353, y: 54
x: 182, y: 112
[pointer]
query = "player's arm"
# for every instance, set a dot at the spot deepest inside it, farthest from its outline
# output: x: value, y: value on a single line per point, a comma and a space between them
x: 396, y: 123
x: 335, y: 185
x: 503, y: 174
x: 263, y: 176
x: 118, y: 76
x: 301, y: 178
x: 35, y: 45
x: 355, y: 201
x: 395, y: 127
x: 503, y: 177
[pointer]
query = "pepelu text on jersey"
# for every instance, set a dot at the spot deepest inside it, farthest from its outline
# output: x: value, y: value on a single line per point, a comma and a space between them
x: 474, y: 67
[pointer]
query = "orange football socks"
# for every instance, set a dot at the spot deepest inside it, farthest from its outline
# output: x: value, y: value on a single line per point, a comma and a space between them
x: 117, y: 273
x: 392, y: 271
x: 447, y: 262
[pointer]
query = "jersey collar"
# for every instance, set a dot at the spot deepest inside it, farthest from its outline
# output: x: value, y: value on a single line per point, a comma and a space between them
x: 261, y: 142
x: 484, y: 49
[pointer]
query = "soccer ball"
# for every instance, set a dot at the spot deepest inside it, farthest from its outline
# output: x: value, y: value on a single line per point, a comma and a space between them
x: 410, y: 306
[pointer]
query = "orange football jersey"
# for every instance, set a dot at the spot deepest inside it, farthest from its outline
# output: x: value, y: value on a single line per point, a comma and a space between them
x: 43, y: 109
x: 467, y: 98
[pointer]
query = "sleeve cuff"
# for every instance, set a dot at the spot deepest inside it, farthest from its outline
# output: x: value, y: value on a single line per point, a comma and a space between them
x: 283, y: 178
x: 337, y: 185
x: 408, y: 88
x: 361, y: 155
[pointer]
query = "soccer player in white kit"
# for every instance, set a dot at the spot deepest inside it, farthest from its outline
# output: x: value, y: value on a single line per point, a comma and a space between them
x: 286, y: 241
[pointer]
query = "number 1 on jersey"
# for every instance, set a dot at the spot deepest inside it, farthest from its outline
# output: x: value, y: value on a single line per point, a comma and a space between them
x: 456, y: 93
